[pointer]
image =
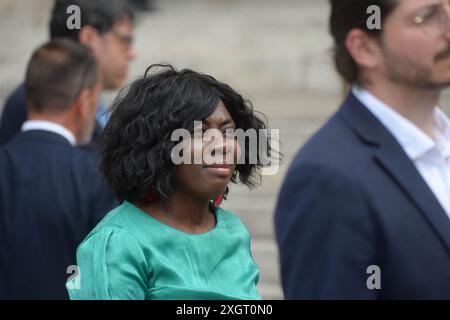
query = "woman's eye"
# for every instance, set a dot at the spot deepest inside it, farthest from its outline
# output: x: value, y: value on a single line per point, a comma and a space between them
x: 229, y: 133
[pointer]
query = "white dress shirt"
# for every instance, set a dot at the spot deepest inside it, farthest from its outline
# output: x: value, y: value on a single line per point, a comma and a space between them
x: 50, y: 126
x: 431, y: 156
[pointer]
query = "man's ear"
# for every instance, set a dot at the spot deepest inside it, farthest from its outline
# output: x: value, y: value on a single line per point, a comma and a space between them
x: 89, y: 37
x: 363, y: 49
x: 81, y: 103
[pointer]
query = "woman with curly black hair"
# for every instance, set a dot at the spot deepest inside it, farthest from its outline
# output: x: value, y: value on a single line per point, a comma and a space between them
x: 170, y: 239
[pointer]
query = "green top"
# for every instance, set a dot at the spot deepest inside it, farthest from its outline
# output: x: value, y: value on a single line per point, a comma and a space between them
x: 130, y: 255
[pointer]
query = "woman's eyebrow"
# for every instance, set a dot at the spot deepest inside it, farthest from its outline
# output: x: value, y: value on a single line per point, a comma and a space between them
x: 227, y: 121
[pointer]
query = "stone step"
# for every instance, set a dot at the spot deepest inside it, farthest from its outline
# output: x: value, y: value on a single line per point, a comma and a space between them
x: 265, y: 253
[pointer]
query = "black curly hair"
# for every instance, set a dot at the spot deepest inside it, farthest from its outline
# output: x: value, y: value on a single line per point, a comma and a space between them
x: 135, y: 148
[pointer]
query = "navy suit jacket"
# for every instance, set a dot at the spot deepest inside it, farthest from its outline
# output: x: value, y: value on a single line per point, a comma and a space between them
x: 51, y: 197
x: 353, y: 199
x: 15, y: 114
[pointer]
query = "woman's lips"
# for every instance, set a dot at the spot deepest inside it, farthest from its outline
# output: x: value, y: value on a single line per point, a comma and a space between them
x: 221, y: 170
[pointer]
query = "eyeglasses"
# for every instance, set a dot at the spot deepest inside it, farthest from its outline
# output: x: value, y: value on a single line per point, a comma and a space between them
x: 434, y: 20
x: 126, y: 39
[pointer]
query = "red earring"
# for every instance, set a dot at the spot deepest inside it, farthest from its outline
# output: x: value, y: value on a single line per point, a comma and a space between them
x: 217, y: 201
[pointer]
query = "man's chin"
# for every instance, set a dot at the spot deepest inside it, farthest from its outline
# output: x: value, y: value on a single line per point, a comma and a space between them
x: 439, y: 84
x: 429, y: 84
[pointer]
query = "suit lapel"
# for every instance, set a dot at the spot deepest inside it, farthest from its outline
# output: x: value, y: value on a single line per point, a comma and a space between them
x: 403, y: 171
x: 395, y: 162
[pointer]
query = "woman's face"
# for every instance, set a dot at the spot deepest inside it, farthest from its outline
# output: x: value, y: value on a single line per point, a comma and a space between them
x: 210, y: 179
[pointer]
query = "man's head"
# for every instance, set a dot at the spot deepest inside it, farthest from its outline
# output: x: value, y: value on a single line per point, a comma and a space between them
x: 62, y: 85
x: 106, y: 28
x: 411, y: 49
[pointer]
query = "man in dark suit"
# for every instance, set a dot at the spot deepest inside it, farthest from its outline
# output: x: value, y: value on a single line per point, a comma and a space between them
x: 51, y: 192
x: 106, y: 27
x: 364, y: 211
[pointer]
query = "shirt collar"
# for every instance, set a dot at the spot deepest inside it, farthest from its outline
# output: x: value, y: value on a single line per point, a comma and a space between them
x: 413, y: 140
x: 102, y: 115
x: 49, y: 126
x: 442, y: 132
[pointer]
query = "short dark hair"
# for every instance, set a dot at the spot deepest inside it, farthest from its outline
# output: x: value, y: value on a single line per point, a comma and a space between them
x: 100, y: 14
x: 136, y: 143
x: 345, y: 16
x: 57, y: 73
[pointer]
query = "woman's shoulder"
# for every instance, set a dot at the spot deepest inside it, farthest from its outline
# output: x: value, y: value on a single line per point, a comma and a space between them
x: 117, y: 222
x: 113, y: 218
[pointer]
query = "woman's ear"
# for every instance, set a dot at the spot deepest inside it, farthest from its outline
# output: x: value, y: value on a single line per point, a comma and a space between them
x: 363, y: 49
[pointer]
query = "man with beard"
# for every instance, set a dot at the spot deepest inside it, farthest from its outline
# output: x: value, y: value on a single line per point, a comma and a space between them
x: 364, y: 212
